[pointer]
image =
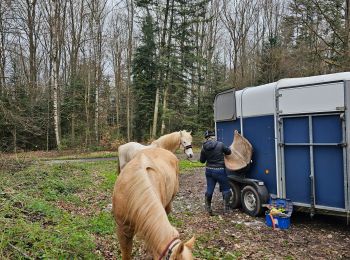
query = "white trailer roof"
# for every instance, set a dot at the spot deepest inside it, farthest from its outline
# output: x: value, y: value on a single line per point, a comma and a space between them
x: 291, y: 82
x: 260, y: 100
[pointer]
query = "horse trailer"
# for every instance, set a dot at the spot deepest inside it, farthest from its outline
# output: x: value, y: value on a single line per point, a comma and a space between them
x: 299, y: 129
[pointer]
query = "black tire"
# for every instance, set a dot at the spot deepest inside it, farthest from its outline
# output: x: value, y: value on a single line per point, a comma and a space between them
x: 235, y: 201
x: 251, y: 201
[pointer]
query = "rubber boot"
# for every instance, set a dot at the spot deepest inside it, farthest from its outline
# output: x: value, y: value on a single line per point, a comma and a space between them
x: 227, y: 197
x: 208, y: 204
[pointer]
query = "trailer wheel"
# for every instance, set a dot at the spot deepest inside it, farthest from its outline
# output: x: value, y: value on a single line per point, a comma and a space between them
x: 235, y: 201
x: 251, y: 201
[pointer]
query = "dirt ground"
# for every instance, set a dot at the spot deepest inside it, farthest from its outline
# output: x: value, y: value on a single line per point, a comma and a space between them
x: 239, y: 236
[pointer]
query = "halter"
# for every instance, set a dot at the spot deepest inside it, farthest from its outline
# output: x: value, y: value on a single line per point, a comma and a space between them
x: 187, y: 147
x: 169, y: 249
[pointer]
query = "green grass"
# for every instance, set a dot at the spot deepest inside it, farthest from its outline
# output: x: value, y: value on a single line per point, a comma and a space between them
x: 101, y: 224
x: 186, y: 164
x: 56, y: 211
x: 175, y: 221
x: 288, y: 257
x: 97, y: 154
x: 205, y: 251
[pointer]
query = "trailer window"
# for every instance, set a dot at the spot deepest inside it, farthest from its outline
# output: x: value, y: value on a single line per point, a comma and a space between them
x: 225, y: 106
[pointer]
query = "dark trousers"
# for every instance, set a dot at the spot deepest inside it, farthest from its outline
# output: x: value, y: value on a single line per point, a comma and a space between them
x: 216, y: 175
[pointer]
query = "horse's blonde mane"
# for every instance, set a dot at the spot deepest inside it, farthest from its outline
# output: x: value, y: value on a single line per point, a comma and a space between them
x: 171, y: 141
x: 144, y: 206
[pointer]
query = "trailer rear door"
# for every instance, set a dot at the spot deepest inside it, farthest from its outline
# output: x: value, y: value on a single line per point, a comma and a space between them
x: 311, y: 144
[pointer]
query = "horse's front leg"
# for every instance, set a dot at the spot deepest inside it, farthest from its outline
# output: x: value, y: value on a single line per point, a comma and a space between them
x: 125, y: 237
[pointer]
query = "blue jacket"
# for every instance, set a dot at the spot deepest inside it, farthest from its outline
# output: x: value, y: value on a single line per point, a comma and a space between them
x: 213, y: 153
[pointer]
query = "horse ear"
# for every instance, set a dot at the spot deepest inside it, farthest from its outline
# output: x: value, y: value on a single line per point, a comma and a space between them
x: 179, y: 249
x: 190, y: 243
x: 181, y: 133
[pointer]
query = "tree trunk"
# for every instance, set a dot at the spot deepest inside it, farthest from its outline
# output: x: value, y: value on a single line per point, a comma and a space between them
x: 155, y: 114
x: 56, y: 112
x: 118, y: 83
x: 160, y: 76
x: 55, y: 72
x: 347, y: 36
x: 76, y: 31
x: 31, y: 16
x: 97, y: 103
x: 2, y: 50
x: 167, y: 72
x: 131, y: 29
x: 87, y: 103
x: 165, y: 97
x: 48, y: 119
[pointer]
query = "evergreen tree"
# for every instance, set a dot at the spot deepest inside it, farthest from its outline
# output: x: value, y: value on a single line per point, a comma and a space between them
x: 144, y: 80
x: 269, y: 67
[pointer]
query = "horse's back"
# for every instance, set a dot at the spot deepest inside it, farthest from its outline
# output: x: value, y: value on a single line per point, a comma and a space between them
x: 130, y: 147
x: 152, y: 175
x: 160, y: 160
x: 159, y: 157
x: 127, y: 152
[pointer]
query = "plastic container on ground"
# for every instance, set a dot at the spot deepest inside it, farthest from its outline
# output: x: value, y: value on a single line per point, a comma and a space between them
x: 281, y: 222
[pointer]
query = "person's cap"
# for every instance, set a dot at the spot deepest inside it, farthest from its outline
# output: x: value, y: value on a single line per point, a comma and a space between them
x: 209, y: 133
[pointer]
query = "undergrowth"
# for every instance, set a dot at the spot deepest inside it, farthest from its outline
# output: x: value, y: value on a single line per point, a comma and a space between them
x: 59, y: 211
x: 56, y: 211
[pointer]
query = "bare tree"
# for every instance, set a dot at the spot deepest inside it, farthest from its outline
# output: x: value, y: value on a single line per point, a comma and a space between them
x: 118, y: 47
x: 77, y: 19
x: 97, y: 19
x: 3, y: 8
x: 162, y: 50
x: 238, y: 16
x: 347, y: 35
x: 56, y: 11
x: 32, y: 37
x: 167, y: 47
x: 130, y: 6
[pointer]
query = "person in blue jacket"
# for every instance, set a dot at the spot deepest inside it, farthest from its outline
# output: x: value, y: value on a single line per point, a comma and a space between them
x: 212, y: 154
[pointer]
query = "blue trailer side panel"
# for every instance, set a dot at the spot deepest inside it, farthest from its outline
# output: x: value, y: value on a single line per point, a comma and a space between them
x: 328, y: 161
x: 225, y: 130
x: 260, y: 133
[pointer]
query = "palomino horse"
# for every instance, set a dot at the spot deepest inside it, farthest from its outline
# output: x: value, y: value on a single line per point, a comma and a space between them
x: 142, y: 198
x: 170, y: 142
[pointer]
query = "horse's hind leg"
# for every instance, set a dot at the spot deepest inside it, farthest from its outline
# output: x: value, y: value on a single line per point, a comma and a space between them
x: 125, y: 236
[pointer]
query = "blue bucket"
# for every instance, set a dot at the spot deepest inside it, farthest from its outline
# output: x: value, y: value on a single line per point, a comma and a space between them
x: 280, y: 222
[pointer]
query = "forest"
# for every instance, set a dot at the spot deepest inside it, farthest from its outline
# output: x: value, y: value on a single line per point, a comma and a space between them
x: 89, y: 73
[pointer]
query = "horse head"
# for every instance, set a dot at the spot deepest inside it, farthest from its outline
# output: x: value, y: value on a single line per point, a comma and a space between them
x: 186, y: 143
x: 182, y: 251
